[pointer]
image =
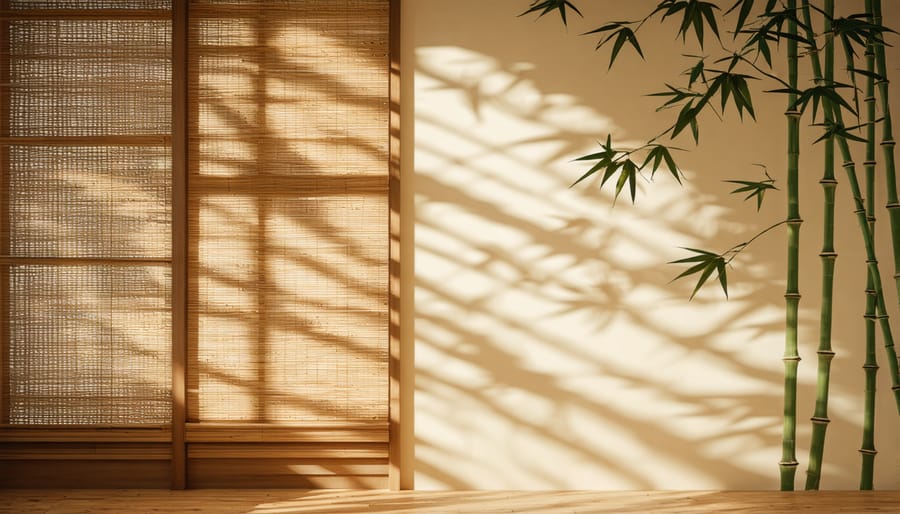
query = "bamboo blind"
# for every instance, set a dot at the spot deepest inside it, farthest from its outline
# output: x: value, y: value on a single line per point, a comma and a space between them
x: 86, y: 345
x: 87, y: 216
x: 287, y: 218
x: 288, y: 211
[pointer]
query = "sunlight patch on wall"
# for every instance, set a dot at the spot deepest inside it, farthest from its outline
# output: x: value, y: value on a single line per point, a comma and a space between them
x: 548, y: 335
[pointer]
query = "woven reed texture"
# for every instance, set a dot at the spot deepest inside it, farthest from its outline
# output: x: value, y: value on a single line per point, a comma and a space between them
x: 104, y: 202
x: 288, y: 212
x: 89, y: 338
x: 89, y: 344
x: 90, y: 77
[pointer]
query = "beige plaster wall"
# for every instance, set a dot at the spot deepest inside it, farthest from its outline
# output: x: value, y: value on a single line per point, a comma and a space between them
x: 551, y: 350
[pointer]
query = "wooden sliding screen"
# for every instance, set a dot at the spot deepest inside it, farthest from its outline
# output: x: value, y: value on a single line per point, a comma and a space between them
x: 194, y: 246
x: 86, y: 243
x: 288, y: 168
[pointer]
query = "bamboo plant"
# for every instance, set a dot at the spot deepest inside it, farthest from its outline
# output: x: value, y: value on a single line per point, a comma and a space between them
x: 777, y: 22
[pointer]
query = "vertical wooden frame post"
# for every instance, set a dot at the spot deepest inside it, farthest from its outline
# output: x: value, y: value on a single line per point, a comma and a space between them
x: 179, y: 241
x: 5, y: 108
x: 394, y: 199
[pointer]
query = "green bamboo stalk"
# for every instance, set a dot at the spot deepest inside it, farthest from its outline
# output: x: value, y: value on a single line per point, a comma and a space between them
x: 834, y: 114
x: 791, y: 358
x: 820, y: 419
x: 871, y: 257
x: 867, y: 449
x: 893, y: 205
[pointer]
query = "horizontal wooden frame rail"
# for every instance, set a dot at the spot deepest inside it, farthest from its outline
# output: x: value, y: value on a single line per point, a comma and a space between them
x: 86, y: 14
x: 105, y: 451
x: 87, y: 433
x: 113, y: 140
x: 208, y: 432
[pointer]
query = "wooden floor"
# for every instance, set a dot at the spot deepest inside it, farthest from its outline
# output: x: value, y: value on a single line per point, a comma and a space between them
x: 211, y: 501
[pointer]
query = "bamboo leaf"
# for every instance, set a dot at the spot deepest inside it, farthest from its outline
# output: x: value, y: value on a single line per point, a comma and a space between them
x: 707, y: 11
x: 866, y: 73
x: 604, y: 158
x: 677, y: 95
x: 746, y: 100
x: 771, y: 30
x: 627, y: 176
x: 707, y: 271
x: 620, y: 33
x: 733, y: 60
x: 746, y: 7
x: 726, y: 90
x: 763, y: 48
x: 697, y: 22
x: 687, y: 117
x: 611, y: 169
x: 833, y: 130
x: 695, y: 130
x: 723, y: 277
x: 611, y: 161
x: 590, y: 172
x: 624, y: 35
x: 670, y: 163
x: 696, y: 72
x: 755, y: 189
x: 857, y: 30
x: 816, y: 95
x: 660, y: 154
x: 697, y: 251
x: 692, y: 270
x: 695, y: 14
x: 704, y: 263
x: 547, y: 6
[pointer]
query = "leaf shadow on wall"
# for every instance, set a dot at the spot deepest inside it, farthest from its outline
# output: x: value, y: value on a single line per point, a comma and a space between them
x: 552, y: 350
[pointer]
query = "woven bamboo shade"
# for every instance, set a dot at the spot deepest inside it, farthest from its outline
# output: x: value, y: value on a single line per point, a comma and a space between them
x: 288, y: 211
x: 287, y: 218
x: 90, y: 77
x: 98, y: 201
x: 88, y: 344
x: 86, y: 217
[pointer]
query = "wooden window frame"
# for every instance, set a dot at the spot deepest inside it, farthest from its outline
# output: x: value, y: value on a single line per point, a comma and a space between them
x: 25, y: 441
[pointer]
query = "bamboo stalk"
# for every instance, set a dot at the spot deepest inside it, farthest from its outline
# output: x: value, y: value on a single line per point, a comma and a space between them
x: 887, y: 144
x: 867, y: 449
x: 833, y: 114
x: 871, y: 257
x: 825, y: 353
x: 893, y: 204
x: 791, y: 358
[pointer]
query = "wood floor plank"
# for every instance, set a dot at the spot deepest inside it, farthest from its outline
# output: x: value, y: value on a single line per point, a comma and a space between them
x: 210, y: 501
